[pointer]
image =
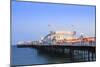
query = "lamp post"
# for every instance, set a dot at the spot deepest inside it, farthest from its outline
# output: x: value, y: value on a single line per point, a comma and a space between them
x: 81, y: 37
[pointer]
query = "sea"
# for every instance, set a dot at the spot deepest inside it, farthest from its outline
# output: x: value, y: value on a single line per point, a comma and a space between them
x: 30, y: 56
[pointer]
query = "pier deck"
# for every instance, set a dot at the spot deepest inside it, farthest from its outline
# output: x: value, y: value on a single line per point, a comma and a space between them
x: 74, y: 47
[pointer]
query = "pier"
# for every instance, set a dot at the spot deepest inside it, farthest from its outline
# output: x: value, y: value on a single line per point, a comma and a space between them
x: 65, y: 43
x: 90, y: 50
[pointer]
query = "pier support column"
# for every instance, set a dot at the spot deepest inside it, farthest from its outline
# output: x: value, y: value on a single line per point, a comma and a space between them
x: 88, y: 56
x: 72, y: 54
x: 92, y: 56
x: 63, y: 50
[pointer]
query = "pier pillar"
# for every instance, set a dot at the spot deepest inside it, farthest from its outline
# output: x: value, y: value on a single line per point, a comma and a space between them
x: 72, y: 54
x: 63, y: 50
x: 92, y: 56
x: 89, y: 56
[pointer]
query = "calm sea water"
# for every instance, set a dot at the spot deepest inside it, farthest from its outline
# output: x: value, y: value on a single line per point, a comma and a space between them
x: 31, y: 56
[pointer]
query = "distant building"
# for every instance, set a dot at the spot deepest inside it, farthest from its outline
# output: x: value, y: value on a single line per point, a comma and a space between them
x: 59, y: 37
x: 66, y: 37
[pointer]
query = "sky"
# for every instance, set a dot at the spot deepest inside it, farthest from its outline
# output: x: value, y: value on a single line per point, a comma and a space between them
x: 31, y: 20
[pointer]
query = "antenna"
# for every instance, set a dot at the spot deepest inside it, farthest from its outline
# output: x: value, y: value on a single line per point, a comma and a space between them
x: 74, y: 32
x: 51, y: 27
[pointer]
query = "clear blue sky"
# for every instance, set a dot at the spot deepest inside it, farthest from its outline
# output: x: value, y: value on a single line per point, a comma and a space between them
x: 30, y: 20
